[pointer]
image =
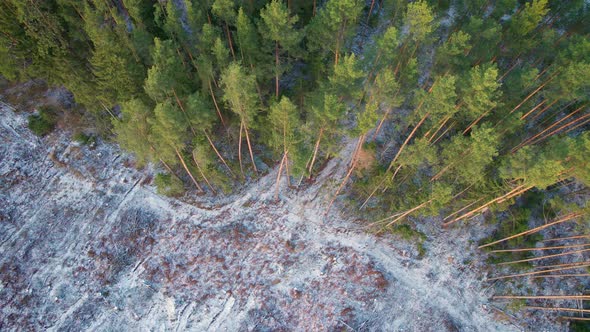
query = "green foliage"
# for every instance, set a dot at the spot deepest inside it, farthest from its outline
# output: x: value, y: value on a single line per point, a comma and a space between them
x: 420, y: 21
x: 133, y: 129
x: 167, y: 74
x: 239, y: 92
x: 480, y: 91
x: 440, y: 101
x: 346, y: 80
x: 452, y: 54
x: 331, y: 29
x: 42, y: 123
x: 169, y: 185
x: 285, y: 132
x: 83, y: 139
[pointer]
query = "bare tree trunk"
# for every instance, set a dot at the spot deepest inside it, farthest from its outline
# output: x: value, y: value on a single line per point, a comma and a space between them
x: 545, y: 257
x: 560, y: 128
x: 215, y: 103
x: 558, y: 309
x: 567, y: 238
x: 543, y: 297
x: 535, y: 108
x: 370, y: 10
x: 184, y: 112
x: 564, y: 218
x: 351, y: 169
x: 203, y: 175
x: 542, y: 248
x: 531, y: 139
x: 533, y: 93
x: 517, y: 191
x: 250, y: 149
x: 315, y: 151
x: 570, y: 267
x: 231, y: 47
x: 277, y: 69
x: 218, y: 154
x: 279, y: 177
x: 406, y: 141
x: 187, y: 170
x: 240, y: 150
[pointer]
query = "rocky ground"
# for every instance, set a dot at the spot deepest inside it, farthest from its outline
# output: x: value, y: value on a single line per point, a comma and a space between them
x: 87, y: 244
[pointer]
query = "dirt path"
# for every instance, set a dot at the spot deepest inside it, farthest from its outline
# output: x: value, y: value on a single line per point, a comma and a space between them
x: 88, y: 246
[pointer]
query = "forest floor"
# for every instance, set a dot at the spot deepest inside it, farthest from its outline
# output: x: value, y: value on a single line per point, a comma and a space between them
x: 87, y: 244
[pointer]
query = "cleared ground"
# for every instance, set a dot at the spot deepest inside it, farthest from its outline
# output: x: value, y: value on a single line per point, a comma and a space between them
x: 86, y: 244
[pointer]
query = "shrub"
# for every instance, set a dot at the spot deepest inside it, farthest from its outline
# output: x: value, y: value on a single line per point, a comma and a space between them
x: 42, y: 123
x: 169, y: 185
x: 83, y: 139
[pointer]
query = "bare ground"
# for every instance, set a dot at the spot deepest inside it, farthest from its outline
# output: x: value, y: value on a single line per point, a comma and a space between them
x: 87, y: 244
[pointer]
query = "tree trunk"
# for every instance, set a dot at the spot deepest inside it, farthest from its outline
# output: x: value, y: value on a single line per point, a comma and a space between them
x: 353, y: 164
x: 240, y: 150
x: 543, y: 248
x: 277, y: 69
x: 558, y: 309
x: 399, y: 215
x: 517, y: 191
x: 315, y: 151
x: 370, y: 10
x: 535, y: 108
x: 569, y: 267
x: 533, y: 93
x: 406, y: 141
x: 218, y: 154
x: 545, y: 257
x: 541, y: 297
x: 231, y: 47
x: 184, y: 112
x: 562, y: 127
x: 250, y: 149
x: 279, y: 177
x: 532, y: 139
x: 381, y: 123
x: 187, y: 170
x: 215, y: 103
x: 565, y: 218
x: 567, y: 238
x: 203, y: 175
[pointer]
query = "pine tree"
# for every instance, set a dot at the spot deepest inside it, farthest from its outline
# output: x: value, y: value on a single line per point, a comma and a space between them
x: 325, y: 112
x: 169, y: 128
x: 277, y: 26
x: 285, y: 124
x: 420, y: 21
x: 168, y: 75
x: 480, y: 93
x: 239, y: 93
x: 247, y: 40
x: 133, y: 130
x: 331, y: 29
x: 225, y: 10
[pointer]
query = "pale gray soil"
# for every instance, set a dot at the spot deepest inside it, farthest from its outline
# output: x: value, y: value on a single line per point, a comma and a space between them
x: 87, y: 244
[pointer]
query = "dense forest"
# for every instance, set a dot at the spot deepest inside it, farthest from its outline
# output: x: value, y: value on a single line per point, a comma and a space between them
x: 455, y: 106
